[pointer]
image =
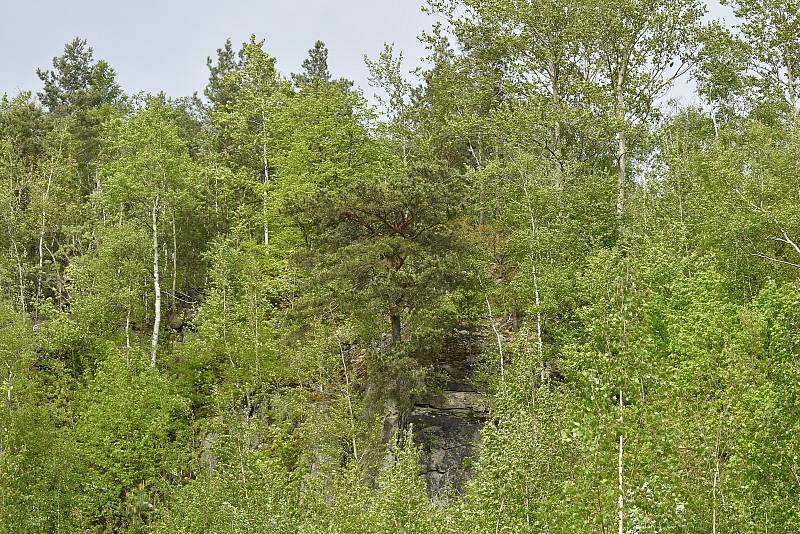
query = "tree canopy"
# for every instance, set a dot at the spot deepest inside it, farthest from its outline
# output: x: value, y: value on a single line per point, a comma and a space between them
x: 515, y: 292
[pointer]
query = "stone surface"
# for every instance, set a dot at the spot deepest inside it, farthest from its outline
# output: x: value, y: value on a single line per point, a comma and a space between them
x: 447, y: 423
x: 447, y: 440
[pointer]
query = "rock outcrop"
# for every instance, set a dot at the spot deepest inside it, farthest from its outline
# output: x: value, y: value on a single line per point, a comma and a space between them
x: 447, y: 426
x: 447, y: 421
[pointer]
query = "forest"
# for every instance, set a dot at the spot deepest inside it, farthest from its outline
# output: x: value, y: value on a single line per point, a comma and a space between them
x: 523, y: 290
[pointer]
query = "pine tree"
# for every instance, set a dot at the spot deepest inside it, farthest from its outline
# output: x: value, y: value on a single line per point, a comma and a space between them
x: 78, y: 82
x: 315, y: 67
x: 220, y: 90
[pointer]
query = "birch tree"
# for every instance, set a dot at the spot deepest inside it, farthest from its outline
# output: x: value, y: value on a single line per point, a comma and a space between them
x: 250, y: 119
x: 147, y: 176
x: 538, y: 46
x: 640, y: 48
x: 770, y: 30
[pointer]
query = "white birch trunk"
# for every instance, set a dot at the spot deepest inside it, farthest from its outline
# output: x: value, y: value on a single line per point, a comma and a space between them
x: 621, y: 172
x: 621, y: 503
x: 265, y: 160
x: 497, y: 335
x: 128, y: 331
x: 622, y: 146
x: 349, y: 403
x: 156, y: 287
x: 45, y: 196
x: 174, y: 265
x: 21, y: 277
x: 535, y: 275
x: 715, y: 480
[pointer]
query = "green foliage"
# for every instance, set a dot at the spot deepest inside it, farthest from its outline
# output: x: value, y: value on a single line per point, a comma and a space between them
x: 315, y: 67
x: 387, y: 237
x: 130, y: 441
x: 252, y: 484
x: 30, y: 481
x: 147, y: 161
x: 235, y: 344
x: 77, y: 81
x: 523, y: 217
x: 220, y: 90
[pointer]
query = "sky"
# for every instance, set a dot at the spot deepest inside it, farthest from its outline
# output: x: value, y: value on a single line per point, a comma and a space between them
x: 157, y: 45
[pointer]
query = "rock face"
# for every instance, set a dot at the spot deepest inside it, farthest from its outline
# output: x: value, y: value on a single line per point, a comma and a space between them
x: 448, y: 429
x: 447, y: 424
x: 447, y: 419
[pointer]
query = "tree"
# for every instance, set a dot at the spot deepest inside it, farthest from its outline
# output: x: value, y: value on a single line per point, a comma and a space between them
x: 386, y: 74
x: 77, y: 82
x: 131, y: 438
x: 21, y: 129
x: 82, y: 88
x: 636, y: 44
x: 250, y: 118
x: 148, y: 176
x: 538, y: 47
x: 518, y: 227
x: 720, y: 71
x: 325, y: 144
x: 220, y: 90
x: 315, y: 67
x: 386, y: 239
x: 30, y: 437
x: 769, y: 30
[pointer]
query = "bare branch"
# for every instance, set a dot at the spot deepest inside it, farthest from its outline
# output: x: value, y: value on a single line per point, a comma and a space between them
x: 776, y: 260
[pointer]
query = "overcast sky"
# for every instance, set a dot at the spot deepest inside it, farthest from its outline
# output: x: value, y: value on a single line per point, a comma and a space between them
x: 157, y: 45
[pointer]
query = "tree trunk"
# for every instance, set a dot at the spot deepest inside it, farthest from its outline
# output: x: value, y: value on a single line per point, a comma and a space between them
x: 621, y: 173
x: 716, y: 478
x: 349, y: 402
x: 45, y: 196
x: 41, y: 260
x: 497, y: 335
x: 622, y: 143
x: 621, y: 498
x: 264, y: 201
x: 555, y: 104
x: 532, y: 246
x: 174, y: 266
x: 396, y: 328
x: 128, y: 328
x: 156, y: 287
x: 21, y: 277
x: 265, y: 160
x: 128, y: 332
